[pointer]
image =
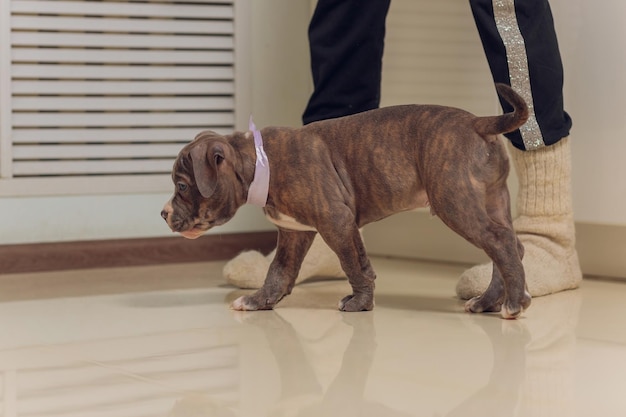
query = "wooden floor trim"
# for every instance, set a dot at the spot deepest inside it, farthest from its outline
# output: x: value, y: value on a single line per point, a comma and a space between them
x: 129, y: 252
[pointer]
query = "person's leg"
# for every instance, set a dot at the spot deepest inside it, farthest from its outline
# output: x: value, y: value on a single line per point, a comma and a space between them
x: 346, y: 38
x: 522, y: 50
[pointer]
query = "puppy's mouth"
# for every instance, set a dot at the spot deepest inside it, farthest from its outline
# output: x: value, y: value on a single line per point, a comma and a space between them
x: 192, y: 234
x: 198, y: 229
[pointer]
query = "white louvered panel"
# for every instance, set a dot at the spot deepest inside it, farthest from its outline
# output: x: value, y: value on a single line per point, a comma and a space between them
x: 62, y: 87
x: 121, y: 103
x: 116, y: 87
x: 5, y: 92
x: 91, y: 167
x: 93, y: 40
x: 109, y: 135
x: 50, y: 151
x: 93, y: 159
x: 120, y: 119
x: 125, y: 72
x: 160, y: 9
x: 107, y: 56
x: 94, y: 24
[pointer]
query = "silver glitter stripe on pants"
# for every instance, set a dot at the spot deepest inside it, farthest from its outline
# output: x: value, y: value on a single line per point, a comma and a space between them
x: 506, y: 22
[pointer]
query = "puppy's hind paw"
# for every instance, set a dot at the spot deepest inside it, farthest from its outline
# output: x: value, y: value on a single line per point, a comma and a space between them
x: 481, y: 305
x: 508, y: 309
x: 357, y: 303
x: 514, y: 310
x: 511, y: 313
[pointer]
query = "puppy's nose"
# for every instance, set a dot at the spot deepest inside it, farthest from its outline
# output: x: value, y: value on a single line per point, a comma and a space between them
x: 164, y: 214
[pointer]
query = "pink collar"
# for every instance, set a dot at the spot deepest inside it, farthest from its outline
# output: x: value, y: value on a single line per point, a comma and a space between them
x: 257, y: 193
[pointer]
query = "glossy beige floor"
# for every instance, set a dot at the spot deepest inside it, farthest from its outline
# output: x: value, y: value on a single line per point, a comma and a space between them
x: 161, y: 341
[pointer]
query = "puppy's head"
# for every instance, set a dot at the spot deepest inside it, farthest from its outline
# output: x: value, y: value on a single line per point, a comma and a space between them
x: 207, y: 187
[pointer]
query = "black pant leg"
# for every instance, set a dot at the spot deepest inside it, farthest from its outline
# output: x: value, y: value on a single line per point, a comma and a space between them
x: 346, y: 39
x: 521, y: 46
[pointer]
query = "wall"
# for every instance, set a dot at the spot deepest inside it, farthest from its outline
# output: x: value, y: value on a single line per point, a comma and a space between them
x: 592, y: 37
x: 278, y: 89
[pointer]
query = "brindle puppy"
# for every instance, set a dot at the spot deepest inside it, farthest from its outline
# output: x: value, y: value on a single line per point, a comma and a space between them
x: 335, y: 176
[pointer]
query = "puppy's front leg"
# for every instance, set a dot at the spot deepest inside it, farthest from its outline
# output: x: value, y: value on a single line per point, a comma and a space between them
x: 291, y: 248
x: 350, y: 249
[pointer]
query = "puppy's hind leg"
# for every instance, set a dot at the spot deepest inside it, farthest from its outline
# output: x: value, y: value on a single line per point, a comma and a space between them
x: 498, y: 211
x: 291, y: 248
x: 504, y: 249
x: 491, y: 300
x: 490, y: 229
x: 505, y: 245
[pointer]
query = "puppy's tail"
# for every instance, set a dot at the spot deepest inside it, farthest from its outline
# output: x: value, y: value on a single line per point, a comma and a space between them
x: 495, y: 125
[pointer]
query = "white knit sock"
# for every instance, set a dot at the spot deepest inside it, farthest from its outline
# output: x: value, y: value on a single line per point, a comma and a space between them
x: 248, y: 269
x: 545, y: 224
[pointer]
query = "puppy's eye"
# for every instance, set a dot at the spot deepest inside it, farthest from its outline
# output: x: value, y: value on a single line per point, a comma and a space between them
x: 182, y: 187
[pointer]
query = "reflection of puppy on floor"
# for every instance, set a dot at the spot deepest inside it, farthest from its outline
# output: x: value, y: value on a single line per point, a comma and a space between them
x: 533, y: 361
x: 302, y: 395
x: 197, y: 405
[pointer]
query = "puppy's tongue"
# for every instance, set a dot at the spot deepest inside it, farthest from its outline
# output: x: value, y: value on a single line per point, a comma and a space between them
x: 191, y: 234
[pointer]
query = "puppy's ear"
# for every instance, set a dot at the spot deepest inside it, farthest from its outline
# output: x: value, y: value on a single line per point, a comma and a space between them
x: 207, y: 157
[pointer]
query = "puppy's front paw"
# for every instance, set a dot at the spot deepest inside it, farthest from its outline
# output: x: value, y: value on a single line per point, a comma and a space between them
x: 242, y: 304
x: 249, y: 303
x: 256, y: 301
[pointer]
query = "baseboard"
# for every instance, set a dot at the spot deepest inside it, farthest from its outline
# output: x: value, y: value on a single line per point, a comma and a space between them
x: 419, y: 235
x: 415, y: 235
x: 129, y: 252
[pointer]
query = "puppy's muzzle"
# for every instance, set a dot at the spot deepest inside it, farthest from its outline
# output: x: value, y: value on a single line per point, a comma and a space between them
x: 167, y: 212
